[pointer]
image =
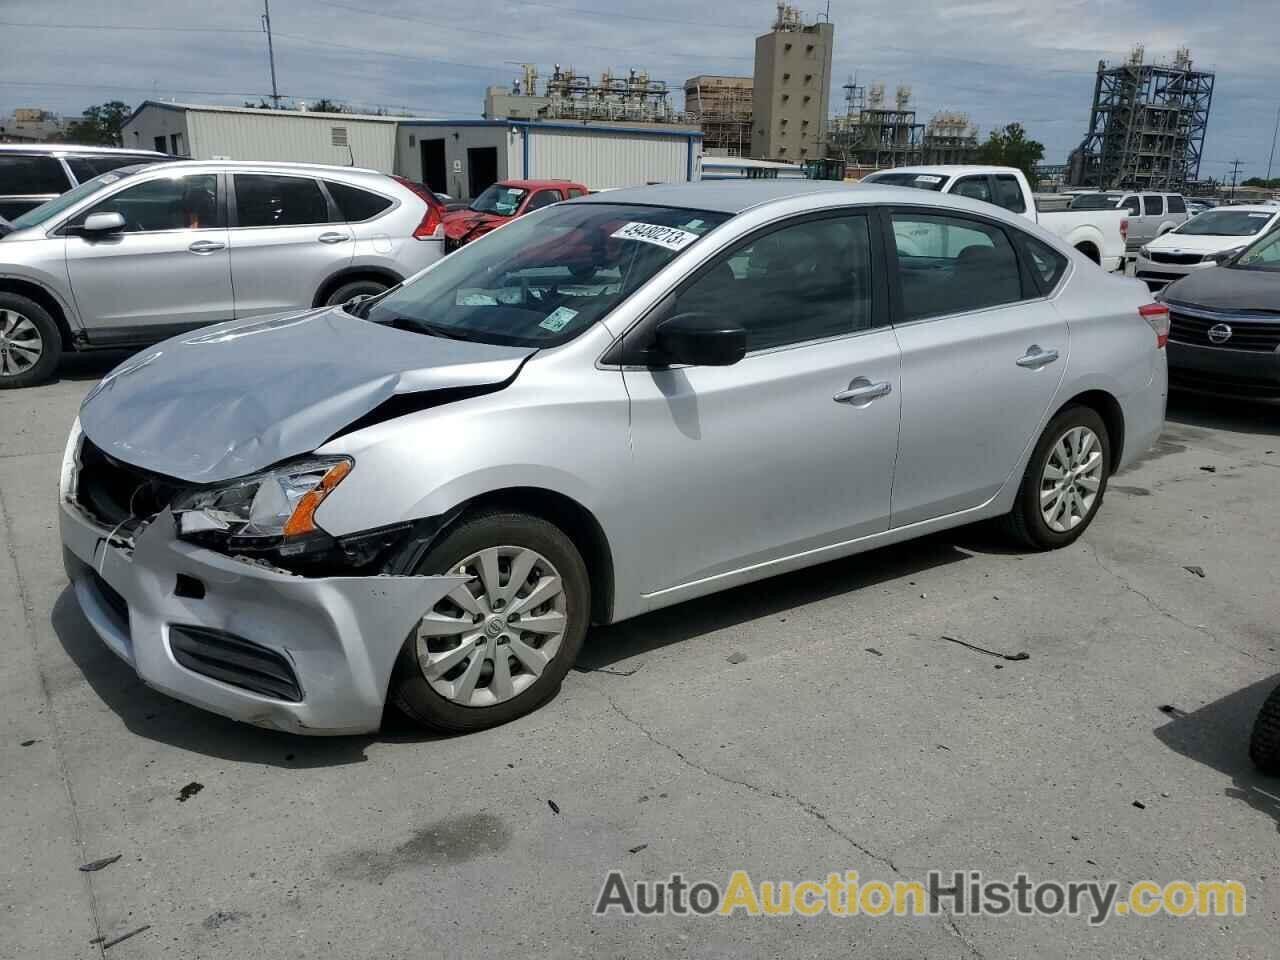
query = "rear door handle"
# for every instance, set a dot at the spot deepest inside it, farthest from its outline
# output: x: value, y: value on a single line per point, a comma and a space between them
x: 334, y: 238
x: 206, y: 246
x: 862, y: 390
x: 1035, y: 358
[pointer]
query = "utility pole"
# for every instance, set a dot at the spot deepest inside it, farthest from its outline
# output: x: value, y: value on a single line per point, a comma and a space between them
x: 1273, y: 143
x: 271, y: 54
x: 1235, y: 170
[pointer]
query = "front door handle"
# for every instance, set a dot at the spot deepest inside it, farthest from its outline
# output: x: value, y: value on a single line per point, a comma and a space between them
x: 862, y: 390
x: 334, y: 238
x: 206, y: 246
x: 1035, y: 358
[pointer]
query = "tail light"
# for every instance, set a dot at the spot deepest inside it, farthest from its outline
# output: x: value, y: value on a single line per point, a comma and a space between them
x: 433, y: 222
x: 1157, y: 314
x: 1124, y: 229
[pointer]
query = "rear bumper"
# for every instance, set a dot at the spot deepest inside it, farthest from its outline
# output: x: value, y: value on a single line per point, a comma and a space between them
x: 334, y: 639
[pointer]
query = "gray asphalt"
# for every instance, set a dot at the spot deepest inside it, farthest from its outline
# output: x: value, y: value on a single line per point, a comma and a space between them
x: 808, y: 724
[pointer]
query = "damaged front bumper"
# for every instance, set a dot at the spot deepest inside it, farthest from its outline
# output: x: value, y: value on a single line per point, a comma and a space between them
x: 242, y: 639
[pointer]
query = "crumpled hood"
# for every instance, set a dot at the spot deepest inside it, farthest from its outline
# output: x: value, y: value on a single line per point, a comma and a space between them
x: 237, y: 397
x: 460, y: 224
x: 1226, y: 288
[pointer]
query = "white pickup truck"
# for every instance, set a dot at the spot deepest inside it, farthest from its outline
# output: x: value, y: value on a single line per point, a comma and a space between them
x: 1099, y: 234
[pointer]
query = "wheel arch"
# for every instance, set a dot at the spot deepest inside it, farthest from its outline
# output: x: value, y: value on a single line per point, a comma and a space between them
x: 1108, y: 408
x: 350, y: 275
x: 1090, y: 250
x: 41, y: 295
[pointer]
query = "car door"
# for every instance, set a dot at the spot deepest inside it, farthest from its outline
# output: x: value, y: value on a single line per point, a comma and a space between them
x: 286, y: 242
x: 166, y: 271
x: 1152, y: 216
x: 790, y: 449
x: 982, y: 356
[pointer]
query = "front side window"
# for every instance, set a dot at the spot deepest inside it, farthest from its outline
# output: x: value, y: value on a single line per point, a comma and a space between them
x: 543, y: 281
x: 170, y: 203
x: 1263, y: 255
x: 975, y: 188
x: 1009, y: 194
x: 575, y: 192
x: 264, y: 200
x: 950, y: 265
x: 543, y: 198
x: 22, y: 176
x: 1153, y: 206
x: 808, y: 281
x: 500, y: 200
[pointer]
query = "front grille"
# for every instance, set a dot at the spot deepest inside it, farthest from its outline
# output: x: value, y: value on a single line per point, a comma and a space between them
x: 114, y: 492
x: 1184, y: 259
x: 234, y: 660
x: 1255, y: 335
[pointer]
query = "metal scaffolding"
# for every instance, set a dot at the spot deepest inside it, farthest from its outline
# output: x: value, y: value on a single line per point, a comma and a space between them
x: 871, y: 135
x: 722, y: 106
x: 1147, y: 128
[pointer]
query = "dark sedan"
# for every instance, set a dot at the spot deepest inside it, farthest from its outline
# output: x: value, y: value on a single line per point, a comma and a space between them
x: 1224, y: 333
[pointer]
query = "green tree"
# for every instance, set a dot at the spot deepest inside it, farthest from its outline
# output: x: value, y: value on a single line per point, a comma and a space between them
x: 99, y: 125
x: 1272, y: 184
x: 325, y: 105
x: 1009, y: 147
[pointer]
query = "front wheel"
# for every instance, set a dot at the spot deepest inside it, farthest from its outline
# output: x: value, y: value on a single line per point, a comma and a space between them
x: 357, y: 288
x: 1064, y: 482
x: 30, y: 343
x: 498, y: 646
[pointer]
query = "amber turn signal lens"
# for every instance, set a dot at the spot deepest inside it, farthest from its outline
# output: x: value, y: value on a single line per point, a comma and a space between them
x: 303, y: 519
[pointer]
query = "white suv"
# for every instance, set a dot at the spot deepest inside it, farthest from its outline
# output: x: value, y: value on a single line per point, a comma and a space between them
x: 144, y: 252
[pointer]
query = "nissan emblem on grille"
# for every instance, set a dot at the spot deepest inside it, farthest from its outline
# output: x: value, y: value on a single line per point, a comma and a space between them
x: 1219, y: 333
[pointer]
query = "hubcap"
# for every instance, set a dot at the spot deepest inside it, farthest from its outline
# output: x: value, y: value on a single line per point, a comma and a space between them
x: 1071, y: 479
x: 491, y: 638
x: 20, y: 344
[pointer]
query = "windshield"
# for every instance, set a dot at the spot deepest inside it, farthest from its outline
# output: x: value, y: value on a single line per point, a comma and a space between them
x: 1095, y: 201
x: 500, y: 200
x: 921, y: 181
x: 47, y: 211
x: 1226, y: 223
x: 1263, y: 255
x: 547, y: 277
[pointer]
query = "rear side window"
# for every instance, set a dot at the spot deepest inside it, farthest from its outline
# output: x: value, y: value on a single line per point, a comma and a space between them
x: 976, y: 188
x: 1009, y: 194
x: 1177, y: 205
x: 355, y: 204
x: 1153, y: 206
x: 27, y: 175
x: 86, y: 168
x: 263, y: 200
x: 950, y: 265
x: 1047, y: 264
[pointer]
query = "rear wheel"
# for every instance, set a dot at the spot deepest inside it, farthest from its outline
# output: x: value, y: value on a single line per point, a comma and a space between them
x: 30, y: 344
x: 1065, y: 480
x: 357, y: 288
x: 498, y: 646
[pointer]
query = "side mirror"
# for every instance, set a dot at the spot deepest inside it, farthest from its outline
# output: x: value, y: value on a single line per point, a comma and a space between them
x: 98, y: 223
x: 701, y: 340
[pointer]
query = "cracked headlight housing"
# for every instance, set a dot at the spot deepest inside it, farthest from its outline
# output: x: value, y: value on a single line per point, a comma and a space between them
x: 274, y: 509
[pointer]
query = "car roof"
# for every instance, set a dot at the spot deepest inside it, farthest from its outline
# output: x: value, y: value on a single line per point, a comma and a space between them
x: 735, y: 196
x: 281, y: 165
x: 78, y: 148
x: 539, y: 184
x: 950, y: 170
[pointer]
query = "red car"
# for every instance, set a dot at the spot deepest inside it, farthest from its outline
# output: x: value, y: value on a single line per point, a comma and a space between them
x: 502, y: 203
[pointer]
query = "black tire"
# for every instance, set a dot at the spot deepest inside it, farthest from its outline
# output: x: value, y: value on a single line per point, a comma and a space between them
x: 50, y: 342
x: 356, y: 288
x: 1264, y: 745
x: 1025, y: 523
x: 411, y: 692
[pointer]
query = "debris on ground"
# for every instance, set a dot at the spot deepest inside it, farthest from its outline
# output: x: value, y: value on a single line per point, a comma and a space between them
x: 1198, y: 571
x: 874, y: 651
x: 189, y: 791
x: 943, y: 746
x: 1021, y: 655
x: 555, y: 807
x: 215, y: 920
x: 120, y: 939
x: 27, y: 743
x: 736, y: 657
x: 1139, y: 804
x: 637, y: 848
x: 615, y: 673
x: 1172, y: 711
x: 96, y: 865
x: 1209, y: 469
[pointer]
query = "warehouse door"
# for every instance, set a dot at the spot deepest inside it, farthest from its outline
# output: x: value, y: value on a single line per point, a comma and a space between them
x: 433, y: 169
x: 482, y: 169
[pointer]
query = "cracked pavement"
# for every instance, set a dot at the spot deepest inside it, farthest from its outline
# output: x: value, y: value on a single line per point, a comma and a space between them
x: 750, y: 730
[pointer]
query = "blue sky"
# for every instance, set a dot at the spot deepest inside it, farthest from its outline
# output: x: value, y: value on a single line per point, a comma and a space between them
x: 998, y: 60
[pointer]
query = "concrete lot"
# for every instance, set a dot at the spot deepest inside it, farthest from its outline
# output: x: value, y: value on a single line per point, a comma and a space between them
x: 809, y: 724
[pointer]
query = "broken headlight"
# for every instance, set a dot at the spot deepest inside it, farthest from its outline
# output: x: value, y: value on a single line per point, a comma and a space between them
x: 269, y: 509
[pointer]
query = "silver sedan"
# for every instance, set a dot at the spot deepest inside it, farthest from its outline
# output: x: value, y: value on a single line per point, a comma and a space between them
x: 610, y: 406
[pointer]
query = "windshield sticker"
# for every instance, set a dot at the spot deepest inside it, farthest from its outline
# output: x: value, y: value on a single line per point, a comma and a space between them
x: 558, y: 319
x: 589, y: 289
x: 928, y: 178
x: 669, y: 238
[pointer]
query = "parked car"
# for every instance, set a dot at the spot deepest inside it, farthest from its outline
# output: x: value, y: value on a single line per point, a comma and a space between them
x: 1203, y: 241
x: 1151, y: 215
x: 501, y: 203
x: 139, y: 254
x: 1097, y: 234
x: 607, y: 407
x: 32, y: 174
x: 1197, y: 207
x: 1225, y: 323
